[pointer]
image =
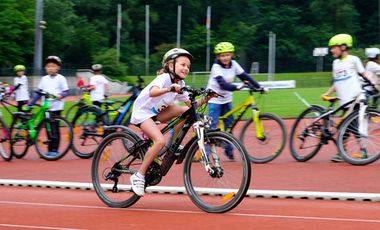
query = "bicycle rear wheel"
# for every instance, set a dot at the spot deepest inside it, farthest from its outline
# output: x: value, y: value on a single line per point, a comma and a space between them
x: 88, y: 127
x: 19, y: 137
x: 5, y: 148
x: 305, y: 137
x: 112, y: 166
x: 225, y: 187
x: 360, y: 147
x: 54, y: 138
x: 268, y: 147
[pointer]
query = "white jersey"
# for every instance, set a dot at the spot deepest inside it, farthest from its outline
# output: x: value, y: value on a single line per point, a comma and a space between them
x: 22, y: 93
x: 146, y: 106
x: 373, y: 71
x: 54, y: 85
x: 99, y: 81
x: 346, y: 77
x: 228, y: 75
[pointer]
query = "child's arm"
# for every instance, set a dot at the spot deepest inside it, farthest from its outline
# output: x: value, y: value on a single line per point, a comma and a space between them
x: 329, y: 91
x: 225, y: 85
x: 245, y: 77
x: 156, y: 91
x: 365, y: 75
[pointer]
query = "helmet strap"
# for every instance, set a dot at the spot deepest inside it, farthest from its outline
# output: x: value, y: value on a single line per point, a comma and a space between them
x: 173, y: 75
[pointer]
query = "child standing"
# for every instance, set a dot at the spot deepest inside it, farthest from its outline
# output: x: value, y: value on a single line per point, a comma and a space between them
x: 372, y: 68
x: 221, y: 79
x: 98, y: 85
x: 346, y: 70
x: 21, y: 87
x: 156, y: 103
x: 56, y: 84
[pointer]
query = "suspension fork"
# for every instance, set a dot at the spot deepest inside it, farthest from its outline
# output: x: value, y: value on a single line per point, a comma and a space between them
x: 258, y: 124
x: 200, y: 131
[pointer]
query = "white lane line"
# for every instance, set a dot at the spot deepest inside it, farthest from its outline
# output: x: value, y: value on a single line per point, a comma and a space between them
x: 198, y: 212
x: 35, y: 227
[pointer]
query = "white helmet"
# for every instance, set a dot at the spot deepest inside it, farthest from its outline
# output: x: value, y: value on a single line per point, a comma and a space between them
x: 96, y: 67
x: 174, y: 53
x: 372, y: 52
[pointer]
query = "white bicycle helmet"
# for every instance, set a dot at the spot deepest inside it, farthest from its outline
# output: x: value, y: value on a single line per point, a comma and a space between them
x: 174, y: 53
x: 96, y: 67
x: 372, y: 52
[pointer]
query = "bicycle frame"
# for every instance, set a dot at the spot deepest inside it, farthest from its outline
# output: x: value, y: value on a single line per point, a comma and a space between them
x: 240, y: 110
x: 37, y: 118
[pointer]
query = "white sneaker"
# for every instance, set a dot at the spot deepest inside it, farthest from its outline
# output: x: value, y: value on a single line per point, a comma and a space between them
x: 138, y: 185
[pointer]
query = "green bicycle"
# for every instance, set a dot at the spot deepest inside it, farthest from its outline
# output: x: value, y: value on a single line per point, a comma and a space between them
x: 85, y: 101
x: 264, y: 134
x: 51, y: 134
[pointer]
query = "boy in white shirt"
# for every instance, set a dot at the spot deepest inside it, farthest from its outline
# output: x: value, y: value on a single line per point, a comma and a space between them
x: 21, y: 87
x: 56, y: 84
x: 221, y: 79
x: 346, y: 70
x: 98, y: 85
x: 372, y: 68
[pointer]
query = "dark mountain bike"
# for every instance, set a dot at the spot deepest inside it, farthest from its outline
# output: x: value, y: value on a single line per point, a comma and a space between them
x: 213, y: 182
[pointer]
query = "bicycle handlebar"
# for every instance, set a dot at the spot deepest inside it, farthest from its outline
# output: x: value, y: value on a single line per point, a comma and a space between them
x: 251, y: 87
x: 44, y: 93
x: 196, y: 92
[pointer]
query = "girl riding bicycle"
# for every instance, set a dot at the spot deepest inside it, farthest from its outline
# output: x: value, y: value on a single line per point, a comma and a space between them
x: 156, y: 103
x: 222, y: 75
x: 346, y: 70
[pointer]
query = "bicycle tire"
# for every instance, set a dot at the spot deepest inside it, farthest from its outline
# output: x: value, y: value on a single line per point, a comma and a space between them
x: 19, y: 137
x: 5, y: 148
x: 229, y: 187
x: 88, y: 131
x: 354, y: 148
x: 44, y: 137
x: 268, y: 148
x: 303, y: 131
x: 110, y: 151
x: 70, y: 113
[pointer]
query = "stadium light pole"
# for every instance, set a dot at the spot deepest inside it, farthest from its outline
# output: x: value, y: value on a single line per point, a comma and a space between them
x: 146, y: 40
x: 179, y: 17
x: 39, y: 26
x: 208, y: 30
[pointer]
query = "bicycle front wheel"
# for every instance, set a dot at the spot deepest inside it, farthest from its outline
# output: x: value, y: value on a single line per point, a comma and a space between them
x: 70, y: 114
x: 263, y: 149
x: 112, y: 166
x: 305, y: 137
x: 19, y: 137
x: 360, y: 145
x: 88, y: 126
x: 54, y: 138
x: 5, y: 148
x: 223, y: 185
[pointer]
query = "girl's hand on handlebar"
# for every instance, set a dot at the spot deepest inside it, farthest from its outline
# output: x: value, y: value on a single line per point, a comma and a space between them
x: 175, y: 88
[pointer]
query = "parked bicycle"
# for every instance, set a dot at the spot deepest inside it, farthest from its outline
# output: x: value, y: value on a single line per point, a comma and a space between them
x: 85, y: 101
x: 358, y: 131
x: 43, y: 129
x: 213, y: 182
x: 90, y: 121
x: 264, y: 134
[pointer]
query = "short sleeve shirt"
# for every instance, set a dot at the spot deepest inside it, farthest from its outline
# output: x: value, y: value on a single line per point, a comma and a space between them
x: 228, y: 75
x: 54, y: 85
x: 99, y: 81
x: 373, y: 70
x: 346, y: 77
x: 22, y: 93
x: 146, y: 106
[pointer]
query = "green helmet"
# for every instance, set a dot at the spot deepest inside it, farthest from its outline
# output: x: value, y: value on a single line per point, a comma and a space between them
x: 341, y: 39
x: 224, y: 47
x: 19, y: 68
